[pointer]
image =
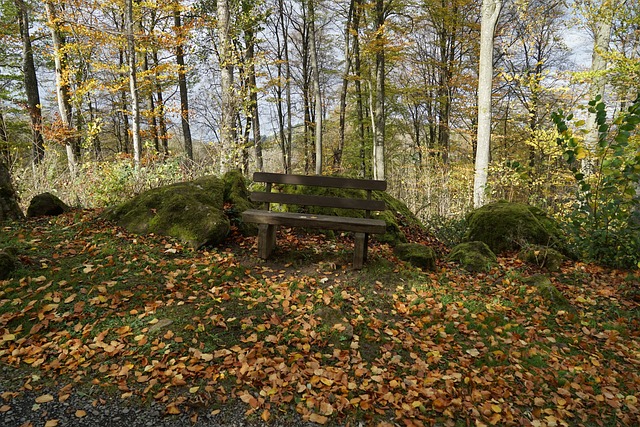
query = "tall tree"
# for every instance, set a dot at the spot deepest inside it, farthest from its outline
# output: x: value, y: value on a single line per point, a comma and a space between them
x: 182, y: 82
x: 317, y: 93
x: 133, y: 84
x: 490, y: 13
x: 379, y: 119
x: 230, y: 157
x: 63, y: 89
x: 30, y: 83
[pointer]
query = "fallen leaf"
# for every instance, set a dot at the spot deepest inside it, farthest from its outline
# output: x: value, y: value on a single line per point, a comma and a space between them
x: 80, y: 413
x: 44, y: 398
x: 51, y: 423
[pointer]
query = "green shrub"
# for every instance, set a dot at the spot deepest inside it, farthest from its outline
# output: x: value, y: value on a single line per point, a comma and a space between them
x: 602, y: 221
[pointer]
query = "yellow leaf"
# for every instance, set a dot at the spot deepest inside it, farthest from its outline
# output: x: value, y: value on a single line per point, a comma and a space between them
x: 8, y: 337
x: 265, y: 415
x: 316, y: 418
x: 496, y: 408
x: 473, y: 352
x: 173, y: 410
x: 44, y: 398
x: 80, y: 413
x: 194, y: 390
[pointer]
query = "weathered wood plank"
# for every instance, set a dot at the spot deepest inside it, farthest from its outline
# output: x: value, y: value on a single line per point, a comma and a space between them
x: 320, y: 181
x: 328, y: 222
x: 323, y: 201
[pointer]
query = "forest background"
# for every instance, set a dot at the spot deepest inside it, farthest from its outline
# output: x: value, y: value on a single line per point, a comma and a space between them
x: 100, y: 100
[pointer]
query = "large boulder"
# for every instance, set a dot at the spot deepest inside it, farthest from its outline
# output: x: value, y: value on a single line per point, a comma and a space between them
x: 505, y: 226
x: 46, y: 204
x: 542, y: 256
x: 416, y: 254
x: 193, y: 212
x: 474, y: 256
x: 236, y: 196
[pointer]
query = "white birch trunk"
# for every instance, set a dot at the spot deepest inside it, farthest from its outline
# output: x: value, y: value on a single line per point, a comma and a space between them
x: 229, y: 155
x: 316, y: 89
x: 490, y: 14
x: 133, y: 87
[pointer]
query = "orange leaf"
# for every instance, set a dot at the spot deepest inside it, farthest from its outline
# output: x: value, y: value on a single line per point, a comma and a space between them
x: 44, y: 398
x: 265, y: 415
x: 320, y: 419
x: 173, y: 410
x: 51, y: 423
x: 80, y: 413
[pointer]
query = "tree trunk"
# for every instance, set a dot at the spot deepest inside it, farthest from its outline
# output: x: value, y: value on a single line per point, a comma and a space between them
x: 317, y: 93
x: 490, y: 13
x: 31, y: 84
x: 162, y: 122
x: 229, y: 157
x: 250, y: 42
x: 337, y: 154
x: 182, y: 83
x: 380, y: 119
x: 62, y: 86
x: 133, y: 86
x: 357, y: 70
x: 603, y: 24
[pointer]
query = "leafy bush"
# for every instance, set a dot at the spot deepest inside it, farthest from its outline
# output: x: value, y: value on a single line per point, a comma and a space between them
x: 608, y: 177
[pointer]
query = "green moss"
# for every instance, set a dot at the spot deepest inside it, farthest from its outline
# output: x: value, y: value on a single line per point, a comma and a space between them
x: 507, y: 226
x: 473, y: 256
x: 236, y: 196
x: 542, y: 256
x: 189, y: 211
x: 548, y: 291
x: 418, y: 255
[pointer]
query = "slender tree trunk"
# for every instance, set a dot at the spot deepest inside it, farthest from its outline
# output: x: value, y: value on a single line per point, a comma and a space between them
x: 133, y: 86
x: 5, y: 154
x: 317, y: 93
x: 31, y: 84
x: 601, y: 42
x: 337, y: 154
x: 182, y: 83
x: 229, y: 155
x: 490, y: 13
x: 162, y: 122
x: 250, y: 43
x: 380, y: 119
x: 152, y: 121
x: 62, y: 86
x: 357, y: 69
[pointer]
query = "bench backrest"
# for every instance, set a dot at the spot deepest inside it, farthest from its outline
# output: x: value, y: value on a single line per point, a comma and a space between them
x: 368, y: 185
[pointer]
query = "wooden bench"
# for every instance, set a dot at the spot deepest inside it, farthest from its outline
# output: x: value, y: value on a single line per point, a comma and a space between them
x: 268, y: 220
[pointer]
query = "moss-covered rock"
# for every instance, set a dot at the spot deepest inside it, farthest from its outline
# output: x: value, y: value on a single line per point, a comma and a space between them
x: 192, y: 212
x: 236, y: 197
x: 418, y: 255
x: 548, y: 291
x: 46, y: 204
x: 396, y: 215
x: 8, y: 264
x: 473, y: 256
x: 505, y: 226
x: 542, y: 256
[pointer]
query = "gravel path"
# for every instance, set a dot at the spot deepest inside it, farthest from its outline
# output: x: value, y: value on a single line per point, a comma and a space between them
x: 23, y: 411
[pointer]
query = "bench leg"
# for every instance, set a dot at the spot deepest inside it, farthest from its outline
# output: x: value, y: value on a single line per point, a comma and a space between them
x: 360, y: 250
x: 266, y: 240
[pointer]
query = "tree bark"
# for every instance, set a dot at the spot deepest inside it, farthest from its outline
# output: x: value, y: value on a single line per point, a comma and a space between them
x: 182, y: 83
x: 380, y: 119
x: 162, y: 122
x: 133, y: 86
x: 602, y: 38
x: 337, y: 154
x: 490, y: 13
x: 250, y: 43
x: 229, y: 157
x: 317, y: 92
x: 31, y: 84
x: 63, y: 91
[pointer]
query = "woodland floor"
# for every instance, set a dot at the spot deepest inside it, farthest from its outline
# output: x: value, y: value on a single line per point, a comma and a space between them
x: 96, y: 311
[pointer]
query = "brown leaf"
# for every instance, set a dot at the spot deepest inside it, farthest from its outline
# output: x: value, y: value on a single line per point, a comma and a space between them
x: 80, y: 413
x: 44, y: 398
